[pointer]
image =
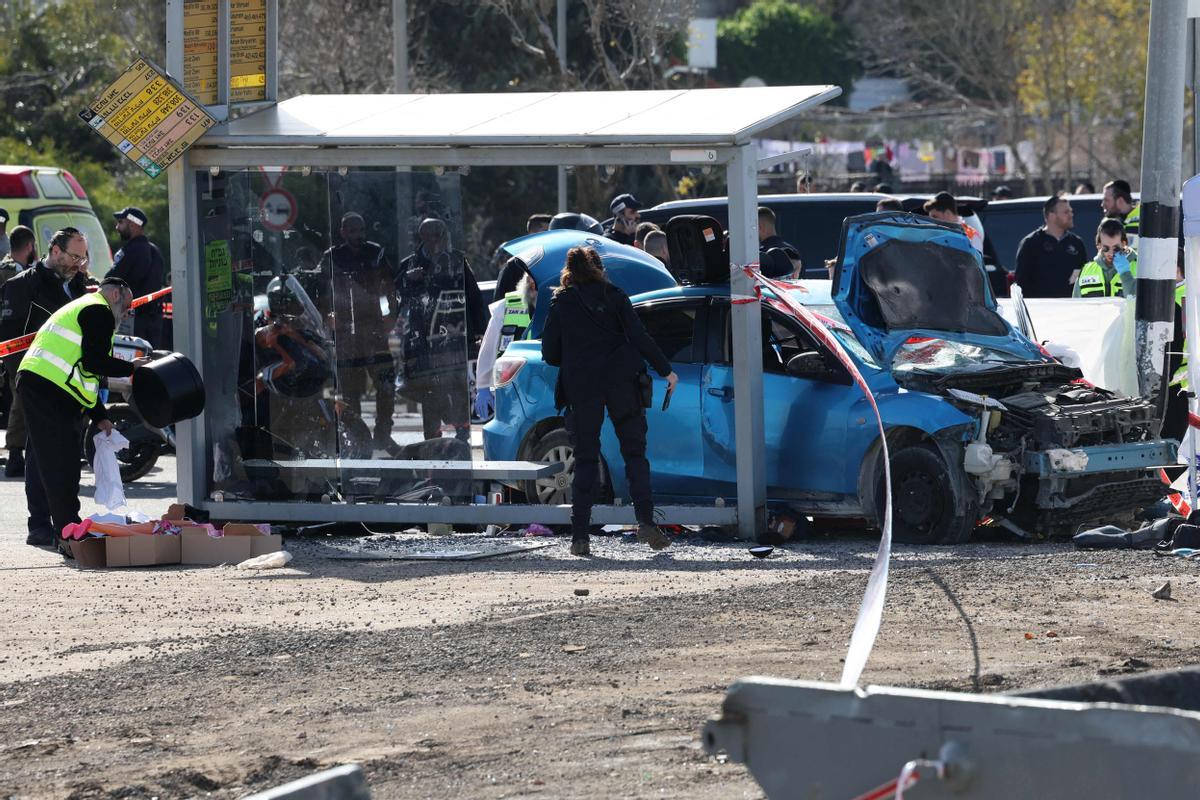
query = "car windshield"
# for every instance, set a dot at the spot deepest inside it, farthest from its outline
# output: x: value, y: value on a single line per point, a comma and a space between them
x: 844, y: 335
x: 925, y: 354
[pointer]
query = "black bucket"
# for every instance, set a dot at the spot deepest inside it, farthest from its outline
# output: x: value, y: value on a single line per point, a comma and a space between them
x: 168, y: 390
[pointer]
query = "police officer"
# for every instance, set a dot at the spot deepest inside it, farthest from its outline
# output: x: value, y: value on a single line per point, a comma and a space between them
x: 510, y: 318
x: 26, y: 302
x: 19, y: 258
x: 593, y: 335
x: 356, y: 282
x: 624, y: 208
x: 1112, y: 272
x: 59, y: 380
x: 140, y: 264
x: 441, y: 317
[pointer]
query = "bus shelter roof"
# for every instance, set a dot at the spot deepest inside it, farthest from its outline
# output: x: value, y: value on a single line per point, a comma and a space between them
x: 695, y: 117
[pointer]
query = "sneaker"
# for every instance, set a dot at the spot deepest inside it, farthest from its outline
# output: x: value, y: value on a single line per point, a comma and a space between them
x: 651, y: 535
x: 40, y: 538
x: 579, y: 545
x: 14, y: 466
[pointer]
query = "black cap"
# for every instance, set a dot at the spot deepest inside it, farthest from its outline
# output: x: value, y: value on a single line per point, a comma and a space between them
x: 133, y: 214
x: 622, y: 202
x: 3, y: 215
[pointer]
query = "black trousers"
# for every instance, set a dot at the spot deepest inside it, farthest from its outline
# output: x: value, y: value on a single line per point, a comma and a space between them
x: 584, y: 420
x: 55, y: 422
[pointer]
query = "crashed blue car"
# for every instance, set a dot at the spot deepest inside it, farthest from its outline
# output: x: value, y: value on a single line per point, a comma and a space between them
x: 981, y: 422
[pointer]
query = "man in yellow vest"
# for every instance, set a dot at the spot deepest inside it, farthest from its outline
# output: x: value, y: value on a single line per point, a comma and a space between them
x: 1113, y: 271
x: 59, y: 380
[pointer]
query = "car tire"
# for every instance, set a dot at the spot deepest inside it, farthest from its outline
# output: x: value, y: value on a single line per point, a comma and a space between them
x: 926, y: 508
x: 555, y: 446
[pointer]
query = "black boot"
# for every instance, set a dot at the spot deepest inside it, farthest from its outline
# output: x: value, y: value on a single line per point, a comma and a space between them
x: 14, y: 467
x: 579, y: 543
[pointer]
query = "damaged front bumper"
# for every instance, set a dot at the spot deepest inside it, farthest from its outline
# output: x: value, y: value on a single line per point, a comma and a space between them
x: 1069, y: 463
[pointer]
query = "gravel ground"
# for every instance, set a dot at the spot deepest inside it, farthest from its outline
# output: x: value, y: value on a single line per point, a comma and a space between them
x: 494, y: 678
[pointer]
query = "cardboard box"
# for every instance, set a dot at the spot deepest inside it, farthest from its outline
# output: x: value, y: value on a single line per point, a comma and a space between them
x: 126, y: 551
x: 239, y: 542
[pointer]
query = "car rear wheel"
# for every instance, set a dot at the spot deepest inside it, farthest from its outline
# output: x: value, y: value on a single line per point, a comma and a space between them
x: 926, y: 508
x: 555, y: 447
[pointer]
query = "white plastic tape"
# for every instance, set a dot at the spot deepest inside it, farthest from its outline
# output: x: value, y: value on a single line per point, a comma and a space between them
x: 870, y: 612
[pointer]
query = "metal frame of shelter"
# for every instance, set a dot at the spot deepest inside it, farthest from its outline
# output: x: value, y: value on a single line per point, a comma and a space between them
x: 706, y: 127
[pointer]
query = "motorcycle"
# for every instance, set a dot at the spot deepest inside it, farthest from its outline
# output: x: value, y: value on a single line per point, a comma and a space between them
x: 146, y: 442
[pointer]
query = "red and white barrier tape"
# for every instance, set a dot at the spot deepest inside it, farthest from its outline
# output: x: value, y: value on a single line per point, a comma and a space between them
x: 22, y: 343
x: 870, y: 613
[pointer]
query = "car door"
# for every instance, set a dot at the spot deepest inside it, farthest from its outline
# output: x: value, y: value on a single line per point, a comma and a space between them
x: 672, y: 441
x: 804, y: 419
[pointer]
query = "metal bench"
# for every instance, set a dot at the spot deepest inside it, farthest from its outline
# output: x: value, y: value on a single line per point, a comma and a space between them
x: 332, y: 468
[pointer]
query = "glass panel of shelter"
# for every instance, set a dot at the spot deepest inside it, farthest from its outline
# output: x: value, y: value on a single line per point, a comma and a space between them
x: 343, y: 300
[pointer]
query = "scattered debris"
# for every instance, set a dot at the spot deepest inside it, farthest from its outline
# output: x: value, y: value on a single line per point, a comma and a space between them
x: 1124, y: 667
x: 582, y: 592
x: 1163, y: 592
x: 762, y: 551
x: 276, y: 560
x: 574, y: 648
x: 459, y: 553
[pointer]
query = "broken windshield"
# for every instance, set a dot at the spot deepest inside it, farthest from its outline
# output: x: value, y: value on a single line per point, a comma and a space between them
x: 925, y: 354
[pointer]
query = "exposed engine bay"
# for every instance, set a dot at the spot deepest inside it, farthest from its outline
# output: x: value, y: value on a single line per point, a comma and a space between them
x: 1050, y: 452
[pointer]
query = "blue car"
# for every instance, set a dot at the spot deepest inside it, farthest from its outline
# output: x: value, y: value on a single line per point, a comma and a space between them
x: 981, y: 422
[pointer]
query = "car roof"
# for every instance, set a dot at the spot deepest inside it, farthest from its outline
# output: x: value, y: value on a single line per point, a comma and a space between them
x: 808, y: 197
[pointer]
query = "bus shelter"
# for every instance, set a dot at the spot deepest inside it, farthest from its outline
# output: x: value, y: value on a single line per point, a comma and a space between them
x: 322, y: 294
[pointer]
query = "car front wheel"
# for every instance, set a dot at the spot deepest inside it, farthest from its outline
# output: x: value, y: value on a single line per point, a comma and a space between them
x: 926, y: 507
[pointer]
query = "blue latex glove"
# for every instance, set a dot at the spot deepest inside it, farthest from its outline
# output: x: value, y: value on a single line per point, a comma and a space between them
x: 1121, y: 262
x: 485, y: 402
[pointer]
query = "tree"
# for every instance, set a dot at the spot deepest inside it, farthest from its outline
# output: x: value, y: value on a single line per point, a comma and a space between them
x: 784, y: 44
x: 63, y: 54
x: 1085, y: 69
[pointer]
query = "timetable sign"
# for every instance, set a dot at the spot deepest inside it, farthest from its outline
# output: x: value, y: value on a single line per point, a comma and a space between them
x: 146, y: 116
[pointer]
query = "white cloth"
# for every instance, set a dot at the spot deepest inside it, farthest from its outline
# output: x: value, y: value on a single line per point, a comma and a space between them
x: 110, y: 492
x: 487, y: 349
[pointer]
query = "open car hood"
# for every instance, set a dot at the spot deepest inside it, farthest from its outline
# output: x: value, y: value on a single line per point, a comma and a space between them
x: 900, y: 275
x: 545, y: 253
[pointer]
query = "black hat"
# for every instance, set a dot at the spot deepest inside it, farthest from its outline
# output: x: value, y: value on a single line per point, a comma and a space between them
x: 133, y: 214
x: 622, y: 202
x: 3, y: 215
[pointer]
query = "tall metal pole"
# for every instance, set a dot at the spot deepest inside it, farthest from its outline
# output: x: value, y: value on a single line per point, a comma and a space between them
x: 561, y: 43
x: 742, y: 185
x: 1162, y: 162
x: 400, y: 46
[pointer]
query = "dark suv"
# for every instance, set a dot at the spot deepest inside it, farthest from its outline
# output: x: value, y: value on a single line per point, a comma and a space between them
x: 812, y: 223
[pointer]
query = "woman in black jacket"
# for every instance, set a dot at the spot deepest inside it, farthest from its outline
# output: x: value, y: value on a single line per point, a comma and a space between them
x: 600, y: 347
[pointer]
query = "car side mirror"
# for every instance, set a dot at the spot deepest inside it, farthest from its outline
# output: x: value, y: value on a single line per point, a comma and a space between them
x: 807, y: 365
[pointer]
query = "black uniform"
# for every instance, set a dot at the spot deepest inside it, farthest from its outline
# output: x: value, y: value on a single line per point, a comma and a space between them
x: 55, y: 417
x: 1045, y: 264
x: 140, y: 264
x: 617, y: 236
x: 442, y: 316
x: 26, y: 302
x: 352, y: 284
x: 600, y: 346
